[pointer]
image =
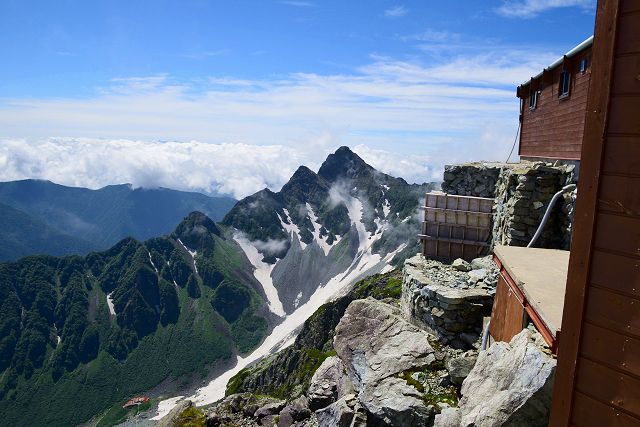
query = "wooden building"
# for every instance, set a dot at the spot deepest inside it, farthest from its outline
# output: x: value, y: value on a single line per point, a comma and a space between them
x: 553, y: 106
x: 597, y: 380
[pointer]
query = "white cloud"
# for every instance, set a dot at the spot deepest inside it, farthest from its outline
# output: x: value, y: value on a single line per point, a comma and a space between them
x: 396, y: 12
x: 406, y: 118
x: 298, y: 3
x: 532, y: 8
x: 236, y: 169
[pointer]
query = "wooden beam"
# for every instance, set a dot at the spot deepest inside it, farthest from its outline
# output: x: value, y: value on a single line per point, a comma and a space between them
x: 583, y: 226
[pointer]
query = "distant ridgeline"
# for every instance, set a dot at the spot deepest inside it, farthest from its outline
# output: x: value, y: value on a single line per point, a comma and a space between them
x: 40, y: 217
x: 79, y: 334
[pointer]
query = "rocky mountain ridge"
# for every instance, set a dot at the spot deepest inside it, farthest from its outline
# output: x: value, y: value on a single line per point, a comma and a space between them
x: 343, y: 223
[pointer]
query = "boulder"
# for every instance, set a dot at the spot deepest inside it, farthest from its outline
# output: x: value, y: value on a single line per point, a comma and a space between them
x: 478, y: 275
x: 393, y: 402
x: 329, y: 383
x: 460, y: 367
x: 483, y: 262
x: 273, y: 408
x: 296, y: 410
x: 510, y: 385
x: 374, y: 342
x: 461, y: 265
x: 338, y: 414
x: 448, y: 417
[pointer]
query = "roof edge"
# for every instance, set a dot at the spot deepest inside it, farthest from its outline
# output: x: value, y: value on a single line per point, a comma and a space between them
x: 579, y: 48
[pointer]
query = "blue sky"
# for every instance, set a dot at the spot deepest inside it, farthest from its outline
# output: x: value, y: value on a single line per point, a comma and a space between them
x: 415, y: 83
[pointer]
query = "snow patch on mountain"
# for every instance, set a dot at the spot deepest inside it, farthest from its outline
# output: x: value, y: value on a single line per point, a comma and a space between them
x: 386, y: 208
x: 151, y: 261
x: 322, y: 241
x: 291, y: 228
x: 112, y: 309
x: 262, y: 273
x: 192, y: 253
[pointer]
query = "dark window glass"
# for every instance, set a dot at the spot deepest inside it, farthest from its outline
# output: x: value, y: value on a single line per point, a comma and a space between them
x: 565, y: 84
x: 533, y: 100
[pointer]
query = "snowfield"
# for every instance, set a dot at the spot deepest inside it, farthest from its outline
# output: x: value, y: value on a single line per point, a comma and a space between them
x: 262, y: 273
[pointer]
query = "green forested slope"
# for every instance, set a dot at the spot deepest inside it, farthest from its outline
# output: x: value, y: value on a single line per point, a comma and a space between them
x: 170, y: 322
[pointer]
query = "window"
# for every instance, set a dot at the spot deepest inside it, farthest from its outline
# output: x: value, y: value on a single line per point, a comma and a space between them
x: 583, y: 66
x: 565, y: 84
x: 533, y: 99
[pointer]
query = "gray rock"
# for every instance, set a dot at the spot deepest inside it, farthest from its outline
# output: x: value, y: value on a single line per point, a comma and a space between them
x: 460, y: 367
x: 448, y: 417
x: 338, y: 414
x: 269, y: 409
x: 329, y: 383
x: 170, y: 419
x: 374, y: 342
x: 510, y: 385
x: 294, y: 411
x: 483, y: 262
x: 461, y: 265
x: 393, y: 402
x: 478, y: 275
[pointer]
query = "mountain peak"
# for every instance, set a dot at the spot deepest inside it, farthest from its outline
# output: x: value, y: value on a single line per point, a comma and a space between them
x: 195, y: 230
x: 344, y: 163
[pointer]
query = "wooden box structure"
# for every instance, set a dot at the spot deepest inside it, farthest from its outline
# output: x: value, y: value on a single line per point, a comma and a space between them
x: 455, y: 226
x: 531, y: 287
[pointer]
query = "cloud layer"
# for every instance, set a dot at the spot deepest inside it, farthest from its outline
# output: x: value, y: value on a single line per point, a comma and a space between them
x: 236, y: 136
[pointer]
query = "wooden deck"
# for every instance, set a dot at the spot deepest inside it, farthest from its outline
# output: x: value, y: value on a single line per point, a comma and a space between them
x: 538, y: 279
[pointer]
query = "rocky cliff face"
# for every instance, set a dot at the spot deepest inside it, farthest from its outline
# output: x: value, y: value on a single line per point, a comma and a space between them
x: 381, y: 365
x: 329, y: 228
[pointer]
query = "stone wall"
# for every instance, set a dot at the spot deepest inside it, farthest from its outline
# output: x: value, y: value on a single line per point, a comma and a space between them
x: 472, y: 179
x: 522, y: 192
x: 449, y: 301
x: 522, y: 196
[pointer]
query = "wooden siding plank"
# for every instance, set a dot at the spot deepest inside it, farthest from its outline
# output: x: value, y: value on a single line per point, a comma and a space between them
x: 507, y: 314
x: 625, y: 114
x: 628, y: 40
x: 589, y: 412
x: 616, y: 272
x: 629, y: 6
x: 622, y: 155
x: 607, y: 385
x: 613, y: 311
x: 611, y: 348
x: 627, y: 70
x: 618, y: 233
x: 620, y: 194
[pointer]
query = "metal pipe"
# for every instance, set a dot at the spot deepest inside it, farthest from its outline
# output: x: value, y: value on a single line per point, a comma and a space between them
x: 547, y: 214
x: 485, y: 336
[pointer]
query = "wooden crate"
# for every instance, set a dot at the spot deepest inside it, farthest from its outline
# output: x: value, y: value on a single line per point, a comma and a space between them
x: 456, y: 226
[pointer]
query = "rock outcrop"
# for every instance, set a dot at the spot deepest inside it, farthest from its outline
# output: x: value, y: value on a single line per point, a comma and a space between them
x: 377, y: 346
x: 447, y: 302
x: 510, y: 385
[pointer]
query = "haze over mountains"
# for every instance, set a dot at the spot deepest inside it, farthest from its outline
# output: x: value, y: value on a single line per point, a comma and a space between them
x: 40, y: 217
x: 93, y: 330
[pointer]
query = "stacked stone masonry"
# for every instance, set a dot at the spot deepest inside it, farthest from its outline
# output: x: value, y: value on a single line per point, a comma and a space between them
x: 449, y: 302
x: 522, y: 192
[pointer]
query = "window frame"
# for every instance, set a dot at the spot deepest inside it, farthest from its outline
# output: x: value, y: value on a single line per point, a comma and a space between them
x: 564, y: 80
x: 534, y: 96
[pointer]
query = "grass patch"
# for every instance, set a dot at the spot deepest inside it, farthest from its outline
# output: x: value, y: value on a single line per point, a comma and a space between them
x: 191, y: 417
